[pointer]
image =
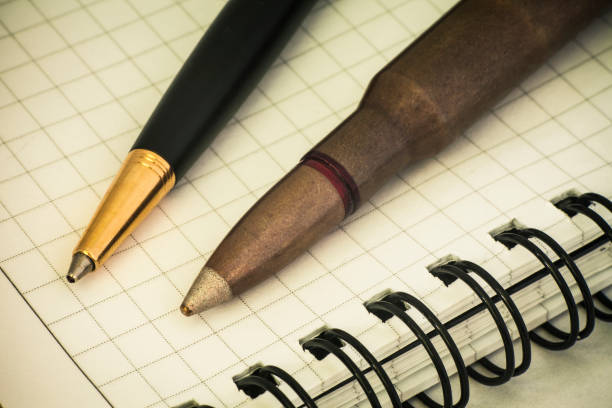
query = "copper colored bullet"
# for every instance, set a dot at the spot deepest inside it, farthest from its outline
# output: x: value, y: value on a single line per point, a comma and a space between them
x: 413, y: 108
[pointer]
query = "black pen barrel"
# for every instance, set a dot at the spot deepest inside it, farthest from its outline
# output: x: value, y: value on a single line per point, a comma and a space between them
x: 228, y: 62
x: 224, y: 67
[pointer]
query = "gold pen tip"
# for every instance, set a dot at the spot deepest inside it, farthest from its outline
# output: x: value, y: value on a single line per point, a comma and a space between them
x: 80, y: 266
x: 185, y: 310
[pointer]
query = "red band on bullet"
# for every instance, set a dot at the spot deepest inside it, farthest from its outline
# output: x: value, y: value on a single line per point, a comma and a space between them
x: 340, y: 178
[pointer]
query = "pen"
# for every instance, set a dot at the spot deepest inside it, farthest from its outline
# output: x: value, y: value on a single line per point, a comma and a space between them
x: 412, y: 108
x: 232, y: 56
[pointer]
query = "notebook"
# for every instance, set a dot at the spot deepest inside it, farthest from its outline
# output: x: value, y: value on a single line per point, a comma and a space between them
x: 79, y: 79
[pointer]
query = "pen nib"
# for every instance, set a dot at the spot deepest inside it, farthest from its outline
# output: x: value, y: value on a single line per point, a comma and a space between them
x: 80, y: 266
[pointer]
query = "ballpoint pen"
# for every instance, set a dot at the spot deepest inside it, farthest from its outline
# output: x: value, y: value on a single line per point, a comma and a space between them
x: 232, y: 56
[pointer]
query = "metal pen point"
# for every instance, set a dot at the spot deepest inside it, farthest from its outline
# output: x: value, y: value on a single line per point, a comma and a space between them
x: 80, y: 266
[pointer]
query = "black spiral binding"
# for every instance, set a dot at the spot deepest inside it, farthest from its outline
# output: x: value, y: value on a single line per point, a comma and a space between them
x: 573, y: 205
x: 258, y: 379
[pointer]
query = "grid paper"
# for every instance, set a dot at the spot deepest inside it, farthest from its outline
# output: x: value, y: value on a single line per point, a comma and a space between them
x: 78, y: 79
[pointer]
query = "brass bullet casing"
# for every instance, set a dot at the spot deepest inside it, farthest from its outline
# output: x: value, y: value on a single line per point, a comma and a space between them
x: 143, y: 180
x: 415, y: 106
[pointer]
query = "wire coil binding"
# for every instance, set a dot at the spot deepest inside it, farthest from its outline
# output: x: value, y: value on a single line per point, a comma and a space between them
x: 324, y: 342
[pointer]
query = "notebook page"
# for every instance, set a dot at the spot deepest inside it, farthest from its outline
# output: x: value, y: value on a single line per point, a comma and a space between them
x: 78, y: 81
x: 23, y: 347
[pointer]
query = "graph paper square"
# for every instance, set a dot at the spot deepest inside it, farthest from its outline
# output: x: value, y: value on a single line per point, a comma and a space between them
x: 123, y: 78
x: 606, y: 58
x: 9, y: 166
x: 61, y: 169
x: 304, y: 108
x: 58, y: 300
x: 76, y: 26
x: 335, y: 293
x: 335, y: 249
x: 18, y: 15
x: 204, y: 242
x: 542, y: 175
x: 182, y: 375
x: 293, y: 280
x: 257, y: 170
x: 86, y: 93
x: 106, y: 315
x: 49, y: 107
x: 17, y: 122
x: 349, y: 48
x: 99, y: 52
x: 325, y: 23
x: 180, y: 332
x: 435, y: 231
x: 339, y: 91
x: 14, y: 54
x: 602, y: 102
x: 17, y: 268
x: 233, y: 211
x: 130, y: 390
x: 40, y: 40
x: 102, y: 287
x: 20, y: 194
x: 358, y: 15
x: 114, y: 13
x: 156, y: 298
x: 402, y: 242
x: 91, y: 334
x: 34, y: 150
x: 74, y: 206
x: 268, y: 291
x: 374, y: 221
x: 471, y: 211
x: 220, y: 187
x: 141, y: 267
x: 268, y: 125
x: 210, y: 356
x: 156, y: 223
x: 171, y: 23
x: 408, y: 209
x: 104, y: 363
x: 38, y: 81
x: 96, y: 163
x: 52, y: 249
x: 6, y: 96
x: 143, y: 345
x: 78, y: 80
x: 597, y: 142
x: 443, y: 189
x: 43, y: 224
x: 556, y: 96
x: 63, y: 66
x: 590, y: 77
x: 361, y: 273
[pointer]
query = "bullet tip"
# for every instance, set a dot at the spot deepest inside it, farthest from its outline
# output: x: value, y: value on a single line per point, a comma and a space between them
x: 80, y: 266
x: 208, y: 290
x: 186, y: 311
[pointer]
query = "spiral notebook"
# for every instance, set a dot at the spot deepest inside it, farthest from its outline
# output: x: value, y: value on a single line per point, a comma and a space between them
x: 79, y: 79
